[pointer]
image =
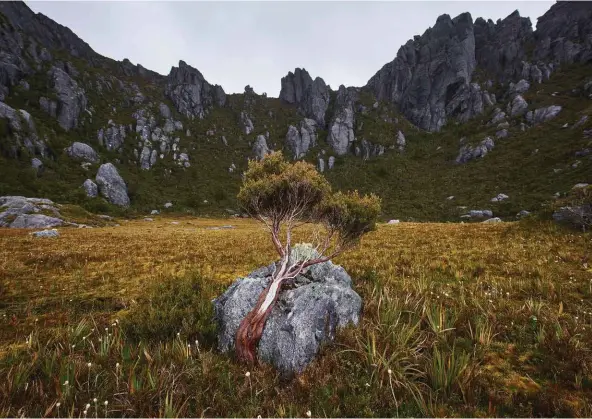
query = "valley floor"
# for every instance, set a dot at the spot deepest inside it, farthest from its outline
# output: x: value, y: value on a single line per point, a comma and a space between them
x: 459, y: 320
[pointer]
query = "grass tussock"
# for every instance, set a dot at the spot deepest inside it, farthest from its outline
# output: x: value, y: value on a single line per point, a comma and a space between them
x: 458, y: 320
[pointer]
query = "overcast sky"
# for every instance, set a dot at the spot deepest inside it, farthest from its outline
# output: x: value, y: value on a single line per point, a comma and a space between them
x: 238, y: 43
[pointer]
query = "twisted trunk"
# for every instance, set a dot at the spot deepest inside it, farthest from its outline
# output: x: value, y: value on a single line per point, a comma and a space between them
x: 251, y: 328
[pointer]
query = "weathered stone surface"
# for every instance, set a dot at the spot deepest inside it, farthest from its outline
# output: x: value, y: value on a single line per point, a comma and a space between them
x: 90, y: 188
x: 260, y: 148
x: 563, y: 33
x: 503, y: 133
x: 165, y: 111
x: 429, y: 70
x: 294, y: 85
x: 518, y: 106
x: 468, y: 152
x: 401, y: 142
x: 499, y: 197
x: 35, y: 221
x: 299, y: 140
x: 71, y: 98
x: 311, y: 96
x: 111, y: 185
x: 321, y: 165
x: 369, y: 150
x: 500, y: 47
x: 341, y: 129
x: 303, y: 319
x: 519, y: 88
x: 37, y: 164
x: 191, y: 94
x: 246, y: 123
x: 46, y: 233
x: 331, y: 162
x: 82, y: 151
x: 543, y: 114
x: 493, y: 220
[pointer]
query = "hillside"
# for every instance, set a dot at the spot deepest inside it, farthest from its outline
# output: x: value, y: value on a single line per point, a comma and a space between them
x: 469, y: 109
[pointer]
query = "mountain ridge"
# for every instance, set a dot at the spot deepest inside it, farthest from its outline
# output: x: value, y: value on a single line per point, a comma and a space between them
x: 178, y: 137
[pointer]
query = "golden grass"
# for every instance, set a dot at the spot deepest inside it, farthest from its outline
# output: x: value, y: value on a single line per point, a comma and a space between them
x: 514, y: 298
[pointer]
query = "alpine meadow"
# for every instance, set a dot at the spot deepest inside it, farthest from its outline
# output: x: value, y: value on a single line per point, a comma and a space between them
x: 418, y: 246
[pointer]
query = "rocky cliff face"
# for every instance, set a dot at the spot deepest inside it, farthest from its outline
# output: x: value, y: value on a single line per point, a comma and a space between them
x: 431, y: 77
x: 192, y: 95
x: 311, y: 96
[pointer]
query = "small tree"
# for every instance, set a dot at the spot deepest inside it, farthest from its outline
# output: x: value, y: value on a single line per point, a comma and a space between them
x: 284, y: 196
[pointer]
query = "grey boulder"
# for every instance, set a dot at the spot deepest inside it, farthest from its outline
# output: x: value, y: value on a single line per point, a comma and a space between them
x: 82, y: 151
x: 468, y: 152
x: 305, y: 316
x: 112, y: 186
x: 543, y: 114
x: 90, y: 188
x: 35, y: 221
x: 260, y: 148
x: 46, y: 233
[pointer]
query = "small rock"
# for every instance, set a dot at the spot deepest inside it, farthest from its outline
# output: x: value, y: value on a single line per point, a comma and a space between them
x: 37, y: 164
x: 393, y: 222
x: 523, y: 214
x: 493, y: 220
x: 500, y: 197
x: 580, y: 185
x: 46, y: 233
x: 450, y: 198
x: 502, y: 133
x: 154, y: 212
x: 148, y: 219
x: 168, y: 205
x: 581, y: 121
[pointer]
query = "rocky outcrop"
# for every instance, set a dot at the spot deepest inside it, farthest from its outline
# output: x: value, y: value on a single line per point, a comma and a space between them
x: 368, y: 150
x: 299, y: 140
x: 246, y: 123
x: 563, y: 33
x: 260, y: 148
x: 82, y: 151
x: 429, y: 71
x: 113, y: 137
x: 71, y: 99
x: 155, y: 142
x: 111, y: 185
x: 518, y: 106
x: 321, y: 164
x: 500, y: 47
x: 543, y: 114
x: 21, y: 212
x: 22, y: 132
x: 191, y: 94
x: 294, y: 86
x: 311, y: 97
x: 304, y: 318
x: 341, y: 129
x: 519, y: 88
x: 468, y: 152
x: 401, y: 142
